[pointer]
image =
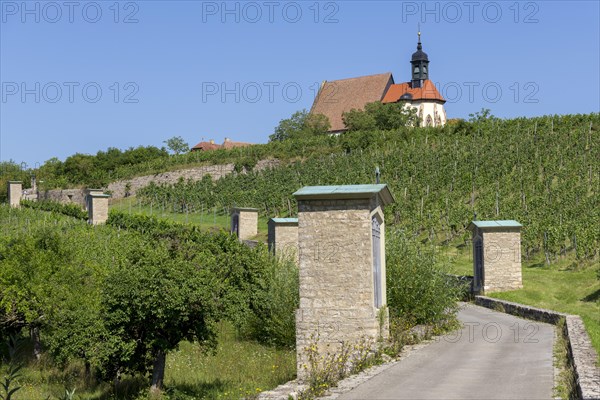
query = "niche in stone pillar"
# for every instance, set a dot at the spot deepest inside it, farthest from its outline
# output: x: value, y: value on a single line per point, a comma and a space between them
x: 496, y: 256
x: 15, y: 191
x: 244, y: 222
x: 97, y: 208
x: 377, y: 282
x: 283, y: 237
x: 341, y: 242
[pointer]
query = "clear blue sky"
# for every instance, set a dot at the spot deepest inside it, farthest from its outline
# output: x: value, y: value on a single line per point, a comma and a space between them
x: 210, y: 69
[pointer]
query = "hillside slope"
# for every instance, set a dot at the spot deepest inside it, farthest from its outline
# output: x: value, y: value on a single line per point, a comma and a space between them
x: 542, y: 172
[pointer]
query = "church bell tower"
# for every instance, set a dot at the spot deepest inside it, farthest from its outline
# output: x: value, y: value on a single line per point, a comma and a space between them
x: 420, y: 66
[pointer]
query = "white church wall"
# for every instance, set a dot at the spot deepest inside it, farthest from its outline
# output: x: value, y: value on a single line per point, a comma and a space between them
x: 431, y: 109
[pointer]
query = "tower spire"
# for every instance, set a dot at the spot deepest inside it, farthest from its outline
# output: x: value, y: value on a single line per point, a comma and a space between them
x: 420, y: 64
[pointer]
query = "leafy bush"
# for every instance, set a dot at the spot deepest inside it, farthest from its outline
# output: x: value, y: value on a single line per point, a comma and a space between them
x: 301, y: 124
x: 120, y: 296
x: 418, y: 288
x: 377, y: 115
x: 274, y: 321
x: 11, y: 171
x: 261, y: 293
x: 97, y: 170
x: 71, y: 210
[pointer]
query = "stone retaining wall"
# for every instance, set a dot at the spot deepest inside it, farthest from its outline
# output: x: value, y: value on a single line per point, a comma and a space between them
x: 215, y: 171
x: 117, y: 189
x: 583, y: 355
x: 584, y: 359
x: 64, y: 196
x: 520, y: 310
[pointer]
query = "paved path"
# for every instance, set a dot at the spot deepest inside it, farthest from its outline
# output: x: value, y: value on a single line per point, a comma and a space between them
x: 494, y: 356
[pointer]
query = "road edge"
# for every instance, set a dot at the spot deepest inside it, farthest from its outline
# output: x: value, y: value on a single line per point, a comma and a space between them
x: 582, y: 354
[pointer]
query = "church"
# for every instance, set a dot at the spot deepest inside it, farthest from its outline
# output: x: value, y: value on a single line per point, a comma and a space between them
x: 336, y: 97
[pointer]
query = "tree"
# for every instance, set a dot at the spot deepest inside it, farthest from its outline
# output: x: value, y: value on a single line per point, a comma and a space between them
x: 151, y: 303
x: 358, y: 120
x: 301, y: 124
x: 177, y: 145
x: 377, y: 115
x: 316, y: 124
x: 29, y: 281
x: 482, y: 116
x: 9, y: 171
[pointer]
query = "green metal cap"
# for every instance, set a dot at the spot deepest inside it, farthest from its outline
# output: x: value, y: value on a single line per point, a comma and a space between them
x: 98, y: 195
x: 494, y: 224
x: 346, y: 192
x: 284, y: 221
x: 238, y: 209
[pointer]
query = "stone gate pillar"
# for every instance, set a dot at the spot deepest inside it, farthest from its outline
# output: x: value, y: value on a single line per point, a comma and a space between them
x: 283, y: 237
x: 87, y: 196
x: 244, y: 222
x: 97, y: 207
x: 496, y: 256
x: 341, y: 240
x: 15, y: 191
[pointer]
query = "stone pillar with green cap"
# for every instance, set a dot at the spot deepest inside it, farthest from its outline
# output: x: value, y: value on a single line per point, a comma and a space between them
x: 88, y: 199
x: 283, y: 237
x: 496, y: 256
x: 97, y: 205
x: 341, y: 241
x: 244, y: 222
x: 15, y: 191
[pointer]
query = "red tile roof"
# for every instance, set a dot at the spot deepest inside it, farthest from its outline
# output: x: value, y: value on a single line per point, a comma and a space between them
x: 206, y: 146
x: 427, y: 92
x: 337, y: 97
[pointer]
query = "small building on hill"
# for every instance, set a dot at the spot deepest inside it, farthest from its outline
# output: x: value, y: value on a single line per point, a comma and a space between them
x: 337, y: 97
x: 206, y: 146
x: 340, y: 96
x: 230, y: 144
x: 211, y: 145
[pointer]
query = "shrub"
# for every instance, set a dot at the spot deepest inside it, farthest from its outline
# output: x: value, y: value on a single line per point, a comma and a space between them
x: 259, y: 294
x: 380, y: 116
x: 418, y: 288
x: 71, y: 210
x: 274, y: 320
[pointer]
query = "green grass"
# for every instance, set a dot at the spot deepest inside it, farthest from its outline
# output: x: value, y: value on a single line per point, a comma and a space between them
x: 566, y: 286
x: 209, y: 220
x: 565, y: 383
x: 238, y: 369
x: 561, y: 288
x: 459, y: 257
